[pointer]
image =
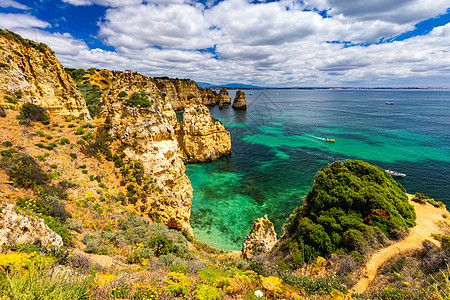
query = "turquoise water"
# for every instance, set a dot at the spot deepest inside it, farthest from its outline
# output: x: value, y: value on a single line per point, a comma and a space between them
x: 278, y: 146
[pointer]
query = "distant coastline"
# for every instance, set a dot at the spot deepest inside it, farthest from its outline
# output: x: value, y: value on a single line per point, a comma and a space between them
x: 325, y: 88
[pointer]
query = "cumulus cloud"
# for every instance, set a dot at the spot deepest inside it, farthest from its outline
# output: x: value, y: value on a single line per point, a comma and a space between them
x: 285, y: 43
x: 172, y: 26
x: 16, y: 21
x: 399, y: 11
x: 13, y: 4
x: 110, y: 3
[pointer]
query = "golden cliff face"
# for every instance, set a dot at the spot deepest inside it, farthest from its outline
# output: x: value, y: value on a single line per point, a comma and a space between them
x: 239, y: 101
x: 129, y: 82
x: 32, y: 70
x: 202, y: 138
x: 149, y: 137
x: 223, y: 97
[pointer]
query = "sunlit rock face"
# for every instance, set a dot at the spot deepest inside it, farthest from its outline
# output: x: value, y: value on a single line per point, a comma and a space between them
x: 261, y: 240
x: 30, y: 72
x: 202, y: 138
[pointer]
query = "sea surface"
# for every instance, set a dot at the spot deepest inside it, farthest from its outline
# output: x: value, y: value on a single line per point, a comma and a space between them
x: 278, y: 147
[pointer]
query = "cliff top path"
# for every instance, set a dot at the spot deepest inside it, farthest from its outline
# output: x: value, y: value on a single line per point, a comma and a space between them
x: 429, y: 220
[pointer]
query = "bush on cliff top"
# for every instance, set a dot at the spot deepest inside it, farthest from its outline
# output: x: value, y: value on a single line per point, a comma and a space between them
x: 353, y: 207
x: 30, y: 111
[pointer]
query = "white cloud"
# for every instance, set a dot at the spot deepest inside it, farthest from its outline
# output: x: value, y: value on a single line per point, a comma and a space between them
x: 171, y: 26
x: 399, y: 11
x: 16, y: 21
x: 110, y: 3
x: 14, y: 4
x: 271, y: 44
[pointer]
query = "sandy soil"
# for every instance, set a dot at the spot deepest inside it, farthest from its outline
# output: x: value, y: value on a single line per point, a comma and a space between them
x: 428, y: 219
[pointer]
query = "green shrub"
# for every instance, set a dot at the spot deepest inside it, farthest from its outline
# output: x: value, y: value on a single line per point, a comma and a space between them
x: 73, y: 155
x: 422, y: 199
x: 64, y: 141
x: 53, y: 166
x: 79, y: 131
x: 122, y: 94
x: 7, y: 144
x: 8, y: 153
x: 84, y: 171
x: 24, y: 171
x: 149, y: 239
x: 34, y: 113
x: 138, y: 99
x: 99, y: 145
x: 353, y: 206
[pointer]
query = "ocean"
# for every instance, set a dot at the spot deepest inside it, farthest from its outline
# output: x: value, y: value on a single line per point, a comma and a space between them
x: 278, y: 147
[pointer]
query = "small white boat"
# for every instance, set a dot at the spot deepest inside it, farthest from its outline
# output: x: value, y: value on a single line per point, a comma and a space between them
x: 395, y: 173
x: 389, y: 103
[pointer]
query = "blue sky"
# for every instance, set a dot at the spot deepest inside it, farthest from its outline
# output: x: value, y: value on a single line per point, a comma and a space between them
x: 267, y: 43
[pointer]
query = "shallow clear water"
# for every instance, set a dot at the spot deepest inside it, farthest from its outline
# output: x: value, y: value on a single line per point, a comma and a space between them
x: 278, y: 146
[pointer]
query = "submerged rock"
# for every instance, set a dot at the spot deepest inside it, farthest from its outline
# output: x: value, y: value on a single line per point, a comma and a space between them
x: 19, y: 229
x: 239, y: 101
x: 261, y: 240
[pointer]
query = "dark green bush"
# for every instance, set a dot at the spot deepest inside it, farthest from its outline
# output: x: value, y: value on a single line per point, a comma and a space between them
x: 64, y: 141
x: 99, y: 145
x: 122, y: 94
x: 136, y: 99
x: 73, y: 155
x: 34, y: 113
x: 24, y: 171
x: 353, y: 206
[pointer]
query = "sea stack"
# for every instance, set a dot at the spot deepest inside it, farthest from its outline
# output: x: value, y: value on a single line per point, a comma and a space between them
x: 223, y: 97
x: 239, y: 101
x: 261, y: 239
x: 202, y: 138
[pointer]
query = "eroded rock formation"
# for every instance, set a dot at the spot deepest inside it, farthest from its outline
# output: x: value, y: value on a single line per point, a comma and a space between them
x: 31, y: 72
x: 18, y: 229
x: 202, y: 138
x: 261, y: 240
x: 223, y: 97
x: 149, y: 137
x: 239, y: 101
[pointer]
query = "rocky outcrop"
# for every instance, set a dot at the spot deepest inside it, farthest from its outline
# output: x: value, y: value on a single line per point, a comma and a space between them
x: 19, y: 229
x: 31, y: 72
x: 202, y: 138
x: 127, y: 83
x: 188, y: 91
x: 209, y: 97
x: 223, y: 97
x: 239, y: 101
x: 261, y: 240
x: 149, y: 137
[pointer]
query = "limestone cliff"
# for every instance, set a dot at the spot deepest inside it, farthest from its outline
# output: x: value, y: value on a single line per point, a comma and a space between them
x: 19, y: 229
x: 209, y: 97
x: 149, y: 136
x: 202, y: 138
x: 31, y: 72
x: 261, y: 240
x: 129, y: 82
x: 239, y: 101
x: 188, y: 91
x: 223, y: 97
